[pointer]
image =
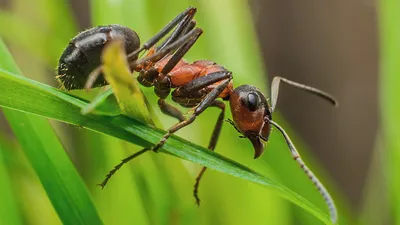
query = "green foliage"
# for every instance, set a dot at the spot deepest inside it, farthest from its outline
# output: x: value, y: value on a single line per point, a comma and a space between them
x: 8, y: 210
x: 45, y: 153
x: 390, y: 105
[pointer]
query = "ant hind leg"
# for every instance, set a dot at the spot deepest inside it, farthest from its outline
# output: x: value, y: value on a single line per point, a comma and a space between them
x: 211, y: 145
x: 188, y: 13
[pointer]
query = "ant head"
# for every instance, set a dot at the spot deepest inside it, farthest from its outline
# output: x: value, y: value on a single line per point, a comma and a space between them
x: 251, y: 113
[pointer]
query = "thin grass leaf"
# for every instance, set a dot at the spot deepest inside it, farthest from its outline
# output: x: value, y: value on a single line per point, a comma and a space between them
x: 389, y: 93
x: 60, y: 106
x: 8, y: 208
x: 57, y: 174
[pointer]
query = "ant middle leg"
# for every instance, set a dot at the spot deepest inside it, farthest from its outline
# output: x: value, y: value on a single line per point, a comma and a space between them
x: 170, y: 110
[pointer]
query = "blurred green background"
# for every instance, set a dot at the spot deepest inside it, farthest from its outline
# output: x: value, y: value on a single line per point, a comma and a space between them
x: 347, y: 48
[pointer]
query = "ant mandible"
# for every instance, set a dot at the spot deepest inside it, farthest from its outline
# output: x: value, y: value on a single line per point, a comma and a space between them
x: 196, y: 85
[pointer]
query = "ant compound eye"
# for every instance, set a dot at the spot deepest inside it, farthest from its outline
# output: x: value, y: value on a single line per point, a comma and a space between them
x: 252, y: 102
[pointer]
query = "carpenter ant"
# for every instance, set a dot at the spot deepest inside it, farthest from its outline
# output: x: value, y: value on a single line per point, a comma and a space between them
x: 196, y: 85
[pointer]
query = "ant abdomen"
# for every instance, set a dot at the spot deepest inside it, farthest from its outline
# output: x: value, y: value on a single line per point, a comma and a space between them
x: 83, y: 54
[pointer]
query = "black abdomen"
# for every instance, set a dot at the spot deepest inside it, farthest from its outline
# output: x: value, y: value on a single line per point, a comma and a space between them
x: 83, y: 54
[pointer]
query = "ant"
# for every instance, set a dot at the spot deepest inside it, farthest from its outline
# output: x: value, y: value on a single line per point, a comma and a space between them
x: 196, y: 85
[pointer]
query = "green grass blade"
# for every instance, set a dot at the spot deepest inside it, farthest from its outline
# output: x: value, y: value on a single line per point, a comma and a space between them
x: 389, y: 93
x: 60, y: 106
x: 57, y: 174
x: 8, y: 208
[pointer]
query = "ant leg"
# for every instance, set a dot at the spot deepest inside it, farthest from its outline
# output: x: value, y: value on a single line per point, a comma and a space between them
x: 183, y: 27
x: 275, y: 89
x: 203, y: 105
x: 170, y: 110
x: 320, y: 187
x: 147, y: 77
x: 178, y: 55
x: 168, y: 49
x: 164, y: 31
x: 117, y: 167
x: 211, y: 145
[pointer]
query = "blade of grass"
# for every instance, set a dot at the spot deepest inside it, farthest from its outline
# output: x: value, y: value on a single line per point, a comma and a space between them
x: 389, y: 95
x: 58, y: 176
x: 8, y: 208
x: 27, y: 187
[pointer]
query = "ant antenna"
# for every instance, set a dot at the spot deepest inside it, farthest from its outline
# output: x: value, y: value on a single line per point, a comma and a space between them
x: 275, y: 89
x: 320, y: 187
